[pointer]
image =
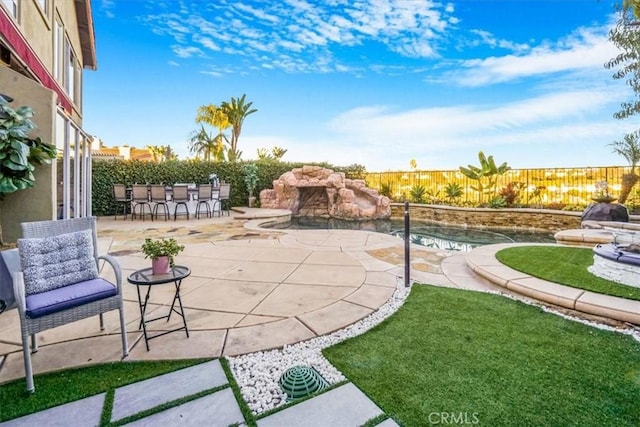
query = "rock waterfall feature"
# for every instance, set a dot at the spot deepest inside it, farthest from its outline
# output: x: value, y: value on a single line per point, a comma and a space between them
x: 321, y: 192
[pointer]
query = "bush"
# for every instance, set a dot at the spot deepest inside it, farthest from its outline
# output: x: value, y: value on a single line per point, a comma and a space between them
x: 385, y: 190
x: 418, y: 194
x: 105, y: 173
x: 511, y: 193
x: 497, y: 202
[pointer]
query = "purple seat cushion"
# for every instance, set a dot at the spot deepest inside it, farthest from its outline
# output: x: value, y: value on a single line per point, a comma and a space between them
x: 69, y: 296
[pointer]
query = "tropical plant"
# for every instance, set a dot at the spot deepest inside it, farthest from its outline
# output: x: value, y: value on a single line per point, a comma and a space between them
x: 236, y: 111
x: 276, y: 153
x: 433, y: 196
x: 453, y: 191
x: 155, y: 249
x: 511, y: 193
x: 162, y: 153
x: 629, y: 148
x: 264, y: 154
x: 536, y: 194
x: 250, y: 176
x: 203, y: 143
x: 497, y: 202
x: 19, y: 153
x: 385, y: 190
x: 486, y: 175
x: 418, y: 194
x: 601, y: 193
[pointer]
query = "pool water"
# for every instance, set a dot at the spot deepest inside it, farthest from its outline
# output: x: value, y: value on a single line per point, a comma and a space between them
x: 425, y: 234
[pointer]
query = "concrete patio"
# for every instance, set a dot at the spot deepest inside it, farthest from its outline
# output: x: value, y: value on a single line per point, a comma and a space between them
x: 254, y: 289
x: 250, y: 289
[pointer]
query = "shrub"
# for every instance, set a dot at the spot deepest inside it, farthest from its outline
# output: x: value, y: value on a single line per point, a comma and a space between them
x: 385, y: 190
x: 105, y: 173
x: 453, y: 191
x: 511, y: 193
x: 497, y: 202
x: 418, y: 193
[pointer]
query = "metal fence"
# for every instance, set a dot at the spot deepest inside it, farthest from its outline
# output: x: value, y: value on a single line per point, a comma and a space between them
x: 562, y: 186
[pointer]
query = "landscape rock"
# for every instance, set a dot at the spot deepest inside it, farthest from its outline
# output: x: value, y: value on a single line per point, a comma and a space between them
x: 606, y: 212
x: 317, y: 191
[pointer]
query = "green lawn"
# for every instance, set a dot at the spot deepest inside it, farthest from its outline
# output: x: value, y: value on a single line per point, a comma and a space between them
x: 499, y: 362
x: 564, y: 265
x: 56, y: 388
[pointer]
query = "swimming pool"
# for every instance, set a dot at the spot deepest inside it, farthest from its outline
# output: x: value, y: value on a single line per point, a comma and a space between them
x: 425, y: 234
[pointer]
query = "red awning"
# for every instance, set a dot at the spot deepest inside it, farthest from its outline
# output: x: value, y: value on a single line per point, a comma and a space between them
x: 27, y: 56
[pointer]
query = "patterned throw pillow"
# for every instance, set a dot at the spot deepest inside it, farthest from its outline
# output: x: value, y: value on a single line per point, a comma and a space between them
x: 53, y: 262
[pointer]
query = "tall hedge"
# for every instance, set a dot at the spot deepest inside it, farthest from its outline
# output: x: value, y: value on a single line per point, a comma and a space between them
x: 114, y: 171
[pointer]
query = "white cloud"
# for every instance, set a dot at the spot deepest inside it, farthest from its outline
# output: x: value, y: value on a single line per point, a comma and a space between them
x: 206, y: 42
x: 306, y: 31
x: 185, y: 52
x: 427, y: 130
x: 585, y: 49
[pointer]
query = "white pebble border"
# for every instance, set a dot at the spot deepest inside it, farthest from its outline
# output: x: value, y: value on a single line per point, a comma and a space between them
x: 257, y: 374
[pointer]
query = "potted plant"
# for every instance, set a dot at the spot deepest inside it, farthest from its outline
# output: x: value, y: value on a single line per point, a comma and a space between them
x: 601, y: 194
x: 161, y: 252
x: 251, y: 181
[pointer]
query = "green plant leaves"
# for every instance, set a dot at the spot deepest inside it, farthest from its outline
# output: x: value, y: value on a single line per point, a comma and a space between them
x: 488, y: 170
x: 19, y: 154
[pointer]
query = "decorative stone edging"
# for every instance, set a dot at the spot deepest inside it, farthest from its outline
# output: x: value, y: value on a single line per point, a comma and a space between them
x: 483, y: 262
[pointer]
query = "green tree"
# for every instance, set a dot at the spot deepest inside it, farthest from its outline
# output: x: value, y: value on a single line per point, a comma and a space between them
x: 626, y: 37
x: 632, y: 6
x: 212, y: 148
x: 236, y: 111
x: 169, y: 154
x: 264, y: 154
x: 161, y: 153
x: 278, y: 152
x: 206, y: 145
x: 629, y: 148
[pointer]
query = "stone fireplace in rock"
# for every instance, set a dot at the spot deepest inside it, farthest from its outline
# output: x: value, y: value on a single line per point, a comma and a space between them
x: 321, y: 192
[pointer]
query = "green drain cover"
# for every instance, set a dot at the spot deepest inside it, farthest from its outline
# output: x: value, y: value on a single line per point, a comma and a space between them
x: 300, y: 381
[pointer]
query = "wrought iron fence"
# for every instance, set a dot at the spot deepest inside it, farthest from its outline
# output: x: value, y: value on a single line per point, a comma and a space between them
x: 537, y: 187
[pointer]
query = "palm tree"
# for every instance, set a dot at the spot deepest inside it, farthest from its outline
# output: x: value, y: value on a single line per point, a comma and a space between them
x: 236, y: 111
x: 278, y: 152
x: 169, y: 154
x: 629, y: 148
x: 202, y: 143
x: 157, y: 153
x: 215, y: 117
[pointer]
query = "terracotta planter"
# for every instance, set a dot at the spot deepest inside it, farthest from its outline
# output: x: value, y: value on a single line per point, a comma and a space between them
x: 160, y: 265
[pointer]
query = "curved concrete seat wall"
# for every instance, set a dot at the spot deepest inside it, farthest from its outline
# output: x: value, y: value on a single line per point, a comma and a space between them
x: 483, y: 262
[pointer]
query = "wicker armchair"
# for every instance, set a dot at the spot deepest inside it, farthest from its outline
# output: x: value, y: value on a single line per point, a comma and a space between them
x: 40, y: 309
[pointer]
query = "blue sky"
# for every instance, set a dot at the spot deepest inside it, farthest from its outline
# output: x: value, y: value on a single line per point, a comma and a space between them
x: 374, y: 82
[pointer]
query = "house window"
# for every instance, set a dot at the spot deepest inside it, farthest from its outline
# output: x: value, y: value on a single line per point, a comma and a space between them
x: 12, y: 7
x: 70, y: 81
x: 58, y: 51
x: 44, y: 5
